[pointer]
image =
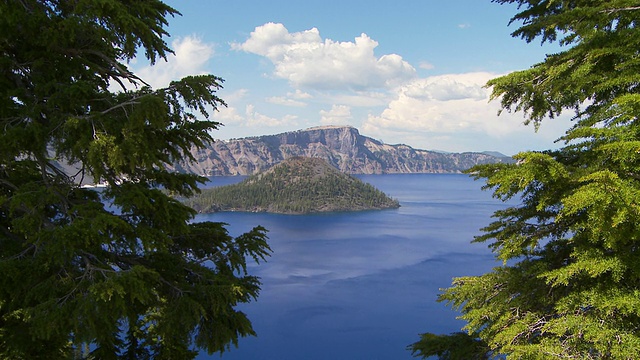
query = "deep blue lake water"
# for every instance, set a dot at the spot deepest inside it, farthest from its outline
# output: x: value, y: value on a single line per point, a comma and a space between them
x: 363, y: 285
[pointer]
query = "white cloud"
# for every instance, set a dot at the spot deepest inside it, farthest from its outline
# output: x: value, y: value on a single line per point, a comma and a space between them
x: 285, y: 101
x: 291, y: 99
x: 306, y: 60
x: 453, y: 106
x: 299, y: 94
x: 358, y: 98
x: 235, y: 118
x: 445, y: 104
x: 228, y: 115
x: 256, y: 119
x: 190, y: 58
x: 447, y: 87
x: 426, y: 65
x: 338, y: 115
x: 236, y: 95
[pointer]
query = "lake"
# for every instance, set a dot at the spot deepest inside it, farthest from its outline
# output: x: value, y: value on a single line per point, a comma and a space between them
x: 363, y: 285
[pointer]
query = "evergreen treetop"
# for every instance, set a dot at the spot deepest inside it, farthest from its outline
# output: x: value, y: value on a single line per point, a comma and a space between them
x: 568, y: 286
x: 119, y: 273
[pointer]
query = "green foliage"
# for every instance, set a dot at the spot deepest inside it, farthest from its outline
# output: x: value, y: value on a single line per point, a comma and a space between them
x: 599, y: 65
x: 119, y: 273
x: 298, y: 185
x: 568, y: 286
x: 457, y: 346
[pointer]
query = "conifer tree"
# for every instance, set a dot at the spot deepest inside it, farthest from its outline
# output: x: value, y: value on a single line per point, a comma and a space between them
x: 123, y: 272
x: 569, y: 286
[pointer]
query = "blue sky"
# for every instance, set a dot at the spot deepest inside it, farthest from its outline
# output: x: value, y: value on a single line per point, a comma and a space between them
x: 407, y: 72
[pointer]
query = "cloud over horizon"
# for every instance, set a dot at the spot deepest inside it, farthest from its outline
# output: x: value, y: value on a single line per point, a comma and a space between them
x: 338, y: 115
x: 306, y: 60
x: 437, y: 110
x: 345, y: 83
x: 444, y: 104
x: 190, y: 57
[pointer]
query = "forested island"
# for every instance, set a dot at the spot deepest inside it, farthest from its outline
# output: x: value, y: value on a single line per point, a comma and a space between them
x: 297, y: 185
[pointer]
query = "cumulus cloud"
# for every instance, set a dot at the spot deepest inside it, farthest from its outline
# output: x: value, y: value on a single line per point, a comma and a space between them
x: 236, y: 95
x: 190, y: 58
x: 359, y: 98
x: 338, y: 115
x: 251, y: 118
x: 254, y: 118
x: 445, y: 88
x: 426, y: 65
x: 453, y: 112
x: 241, y: 114
x: 299, y: 94
x: 306, y: 60
x: 228, y: 115
x: 445, y: 104
x: 285, y: 101
x: 292, y: 99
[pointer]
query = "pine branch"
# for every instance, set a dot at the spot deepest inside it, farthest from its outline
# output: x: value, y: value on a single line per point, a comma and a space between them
x: 611, y: 11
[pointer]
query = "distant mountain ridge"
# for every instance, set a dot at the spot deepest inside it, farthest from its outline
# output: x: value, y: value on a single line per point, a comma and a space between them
x: 343, y: 147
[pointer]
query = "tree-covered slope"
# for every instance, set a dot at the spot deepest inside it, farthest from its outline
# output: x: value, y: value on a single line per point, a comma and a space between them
x: 296, y: 185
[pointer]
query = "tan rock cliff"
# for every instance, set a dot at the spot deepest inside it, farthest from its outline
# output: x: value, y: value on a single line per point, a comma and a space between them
x: 341, y: 146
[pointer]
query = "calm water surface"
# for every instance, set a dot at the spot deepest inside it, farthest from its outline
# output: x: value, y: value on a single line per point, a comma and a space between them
x: 363, y: 285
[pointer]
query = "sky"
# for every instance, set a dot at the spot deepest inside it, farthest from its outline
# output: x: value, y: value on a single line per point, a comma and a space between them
x: 403, y: 71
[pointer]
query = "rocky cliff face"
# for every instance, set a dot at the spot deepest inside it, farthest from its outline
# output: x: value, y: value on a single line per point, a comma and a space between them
x: 341, y: 146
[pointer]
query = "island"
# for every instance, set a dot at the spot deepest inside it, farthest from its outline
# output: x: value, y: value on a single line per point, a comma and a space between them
x: 298, y: 185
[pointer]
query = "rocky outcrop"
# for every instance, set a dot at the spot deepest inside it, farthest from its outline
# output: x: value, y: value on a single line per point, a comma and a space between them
x: 341, y: 146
